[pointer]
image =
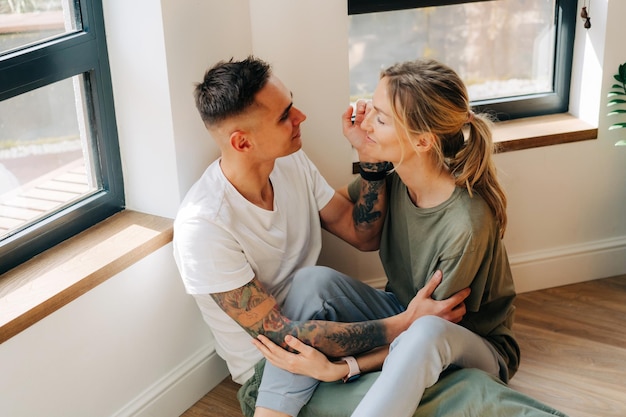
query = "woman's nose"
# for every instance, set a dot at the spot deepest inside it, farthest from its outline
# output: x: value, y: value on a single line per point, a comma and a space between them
x: 365, y: 123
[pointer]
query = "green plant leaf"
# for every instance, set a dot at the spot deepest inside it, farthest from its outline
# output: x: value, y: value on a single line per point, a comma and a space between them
x: 622, y: 71
x: 619, y: 91
x: 616, y: 101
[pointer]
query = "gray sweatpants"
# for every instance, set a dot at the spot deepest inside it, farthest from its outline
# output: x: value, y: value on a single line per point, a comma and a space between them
x: 320, y: 293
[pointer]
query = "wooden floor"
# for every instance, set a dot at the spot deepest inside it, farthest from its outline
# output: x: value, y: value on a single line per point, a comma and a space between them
x: 573, y: 341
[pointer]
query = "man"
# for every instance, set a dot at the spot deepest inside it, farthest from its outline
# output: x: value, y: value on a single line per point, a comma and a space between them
x: 248, y: 234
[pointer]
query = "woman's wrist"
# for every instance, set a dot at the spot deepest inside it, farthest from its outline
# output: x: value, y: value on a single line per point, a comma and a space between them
x: 382, y: 166
x: 374, y: 171
x: 336, y: 371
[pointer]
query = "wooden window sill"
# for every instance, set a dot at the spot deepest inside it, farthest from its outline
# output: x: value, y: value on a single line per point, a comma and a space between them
x: 54, y: 278
x: 47, y: 282
x: 534, y: 132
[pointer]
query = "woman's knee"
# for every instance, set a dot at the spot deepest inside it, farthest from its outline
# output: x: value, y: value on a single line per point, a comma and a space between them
x: 425, y: 330
x: 431, y: 325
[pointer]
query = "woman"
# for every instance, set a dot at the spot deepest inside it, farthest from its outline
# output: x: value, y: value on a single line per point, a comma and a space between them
x: 446, y: 211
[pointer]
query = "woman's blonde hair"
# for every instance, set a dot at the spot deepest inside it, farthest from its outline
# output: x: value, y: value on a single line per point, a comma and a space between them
x: 427, y: 96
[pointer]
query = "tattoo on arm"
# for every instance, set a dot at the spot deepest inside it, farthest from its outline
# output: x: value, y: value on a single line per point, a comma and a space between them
x: 250, y: 306
x: 359, y: 337
x: 335, y: 339
x: 257, y: 313
x: 364, y: 212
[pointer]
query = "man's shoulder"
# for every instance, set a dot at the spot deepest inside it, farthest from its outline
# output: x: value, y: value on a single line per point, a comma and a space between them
x: 205, y: 196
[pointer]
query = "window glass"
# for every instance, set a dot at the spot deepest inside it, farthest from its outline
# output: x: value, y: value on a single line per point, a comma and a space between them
x: 45, y: 147
x: 501, y: 49
x: 24, y: 22
x: 60, y: 167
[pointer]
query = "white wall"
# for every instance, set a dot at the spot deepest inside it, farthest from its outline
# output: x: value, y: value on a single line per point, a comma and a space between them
x: 136, y: 345
x: 114, y: 351
x: 310, y: 55
x: 566, y: 202
x: 566, y: 221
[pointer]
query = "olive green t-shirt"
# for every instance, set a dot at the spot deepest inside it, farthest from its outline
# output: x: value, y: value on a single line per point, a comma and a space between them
x: 460, y: 237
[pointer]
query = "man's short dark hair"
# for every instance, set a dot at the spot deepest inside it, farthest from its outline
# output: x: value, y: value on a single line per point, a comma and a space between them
x: 229, y: 88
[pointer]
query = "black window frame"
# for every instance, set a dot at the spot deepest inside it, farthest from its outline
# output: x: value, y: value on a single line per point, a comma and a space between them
x: 31, y: 67
x: 517, y: 107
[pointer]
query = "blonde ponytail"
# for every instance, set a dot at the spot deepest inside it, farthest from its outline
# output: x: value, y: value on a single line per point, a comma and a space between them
x: 473, y: 167
x: 428, y: 96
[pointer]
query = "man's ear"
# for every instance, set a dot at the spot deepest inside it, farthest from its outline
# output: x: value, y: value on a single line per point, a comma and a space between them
x: 239, y: 141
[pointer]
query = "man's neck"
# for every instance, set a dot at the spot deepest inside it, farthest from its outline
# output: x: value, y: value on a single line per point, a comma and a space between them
x: 252, y: 180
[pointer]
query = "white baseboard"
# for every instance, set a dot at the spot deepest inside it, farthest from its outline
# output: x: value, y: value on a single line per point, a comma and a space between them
x: 569, y: 264
x: 200, y: 373
x: 180, y: 389
x: 561, y: 266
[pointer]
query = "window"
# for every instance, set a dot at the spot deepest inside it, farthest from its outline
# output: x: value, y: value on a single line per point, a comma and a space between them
x: 514, y: 55
x: 60, y: 168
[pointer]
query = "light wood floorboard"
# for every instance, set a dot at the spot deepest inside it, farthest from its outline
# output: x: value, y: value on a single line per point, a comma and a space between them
x: 573, y: 342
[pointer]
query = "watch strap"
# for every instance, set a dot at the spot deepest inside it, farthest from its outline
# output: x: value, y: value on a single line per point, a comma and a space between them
x: 354, y: 371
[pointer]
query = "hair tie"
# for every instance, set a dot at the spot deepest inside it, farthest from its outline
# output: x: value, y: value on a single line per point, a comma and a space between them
x: 470, y: 117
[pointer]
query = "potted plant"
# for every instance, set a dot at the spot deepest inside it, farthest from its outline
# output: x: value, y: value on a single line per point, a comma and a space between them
x: 617, y: 97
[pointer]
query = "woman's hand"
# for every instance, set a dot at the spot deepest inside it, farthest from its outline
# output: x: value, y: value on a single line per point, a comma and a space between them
x: 309, y: 361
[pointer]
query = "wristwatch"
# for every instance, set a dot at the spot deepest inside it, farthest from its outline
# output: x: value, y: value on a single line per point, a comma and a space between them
x: 353, y: 366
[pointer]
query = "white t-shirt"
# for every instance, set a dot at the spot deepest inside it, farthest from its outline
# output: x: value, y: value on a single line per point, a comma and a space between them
x: 222, y: 241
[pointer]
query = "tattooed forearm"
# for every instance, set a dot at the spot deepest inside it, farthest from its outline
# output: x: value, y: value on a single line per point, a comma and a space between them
x: 358, y: 337
x: 249, y: 305
x: 364, y: 212
x: 340, y: 339
x: 258, y: 313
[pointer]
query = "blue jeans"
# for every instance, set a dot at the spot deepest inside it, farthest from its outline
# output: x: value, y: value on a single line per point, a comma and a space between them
x: 320, y: 293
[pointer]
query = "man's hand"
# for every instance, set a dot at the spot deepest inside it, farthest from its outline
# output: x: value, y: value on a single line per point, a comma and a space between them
x: 452, y: 309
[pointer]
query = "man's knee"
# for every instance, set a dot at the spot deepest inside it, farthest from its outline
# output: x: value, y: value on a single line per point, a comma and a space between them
x: 322, y: 293
x: 315, y: 279
x: 311, y: 287
x: 319, y: 284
